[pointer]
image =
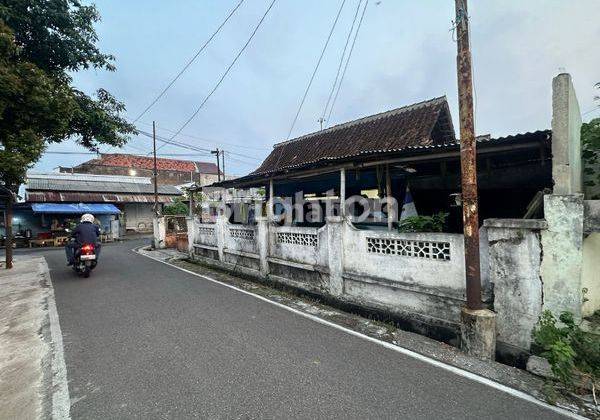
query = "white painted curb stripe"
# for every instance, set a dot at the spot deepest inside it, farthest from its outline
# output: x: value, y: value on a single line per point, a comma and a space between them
x: 61, y: 402
x: 464, y: 373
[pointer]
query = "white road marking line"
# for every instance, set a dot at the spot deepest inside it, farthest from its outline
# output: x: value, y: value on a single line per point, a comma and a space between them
x: 61, y: 401
x: 458, y: 371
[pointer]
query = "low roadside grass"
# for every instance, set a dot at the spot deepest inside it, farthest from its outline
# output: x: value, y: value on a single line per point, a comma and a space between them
x: 573, y: 354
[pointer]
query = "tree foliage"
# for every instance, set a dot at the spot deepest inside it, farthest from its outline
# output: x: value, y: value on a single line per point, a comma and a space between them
x: 42, y: 42
x: 590, y: 144
x: 176, y: 208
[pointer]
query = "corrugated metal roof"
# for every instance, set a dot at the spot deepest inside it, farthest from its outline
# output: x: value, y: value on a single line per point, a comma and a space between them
x: 37, y: 184
x: 80, y: 197
x: 91, y: 177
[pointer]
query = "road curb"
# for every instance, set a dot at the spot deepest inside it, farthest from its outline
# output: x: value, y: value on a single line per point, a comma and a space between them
x: 61, y: 401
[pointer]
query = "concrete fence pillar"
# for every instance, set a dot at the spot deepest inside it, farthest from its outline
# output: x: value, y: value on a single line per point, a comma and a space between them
x: 262, y: 243
x: 191, y: 233
x: 562, y: 259
x: 220, y: 232
x: 335, y: 254
x: 562, y: 242
x: 514, y: 255
x: 566, y: 137
x: 159, y: 232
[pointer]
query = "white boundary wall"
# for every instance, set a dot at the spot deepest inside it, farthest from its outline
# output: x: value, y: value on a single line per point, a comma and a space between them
x: 420, y: 275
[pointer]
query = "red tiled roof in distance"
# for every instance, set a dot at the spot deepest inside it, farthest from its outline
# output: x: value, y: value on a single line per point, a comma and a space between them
x: 416, y: 125
x: 147, y: 162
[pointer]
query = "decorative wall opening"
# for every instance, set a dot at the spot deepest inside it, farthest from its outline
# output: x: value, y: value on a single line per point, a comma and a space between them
x: 209, y: 231
x: 242, y: 234
x: 305, y: 239
x: 409, y: 248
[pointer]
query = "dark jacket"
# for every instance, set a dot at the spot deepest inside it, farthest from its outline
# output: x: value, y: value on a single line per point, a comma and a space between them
x: 86, y: 233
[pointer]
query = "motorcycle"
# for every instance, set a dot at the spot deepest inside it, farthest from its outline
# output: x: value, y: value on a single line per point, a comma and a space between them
x: 85, y: 259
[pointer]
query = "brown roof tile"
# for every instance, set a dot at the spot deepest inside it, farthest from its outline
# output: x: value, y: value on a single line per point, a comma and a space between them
x: 147, y: 162
x: 396, y: 130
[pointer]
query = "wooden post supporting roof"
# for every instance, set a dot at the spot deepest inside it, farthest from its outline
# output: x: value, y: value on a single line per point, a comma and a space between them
x: 343, y: 192
x: 391, y: 213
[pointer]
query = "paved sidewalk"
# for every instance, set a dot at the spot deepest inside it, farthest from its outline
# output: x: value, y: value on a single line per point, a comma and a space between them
x: 32, y: 377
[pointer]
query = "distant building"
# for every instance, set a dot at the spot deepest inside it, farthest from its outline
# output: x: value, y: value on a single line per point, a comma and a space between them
x: 170, y: 171
x: 132, y: 196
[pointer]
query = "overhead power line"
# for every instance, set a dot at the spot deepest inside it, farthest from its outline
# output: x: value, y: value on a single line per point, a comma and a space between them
x: 205, y: 152
x: 252, y: 164
x: 247, y: 159
x: 189, y: 63
x: 596, y: 108
x: 55, y: 152
x: 207, y: 140
x: 165, y: 141
x: 312, y: 77
x: 348, y: 59
x: 337, y: 75
x: 185, y: 124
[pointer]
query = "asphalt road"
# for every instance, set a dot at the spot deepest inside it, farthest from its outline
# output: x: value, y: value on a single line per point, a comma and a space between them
x: 144, y: 340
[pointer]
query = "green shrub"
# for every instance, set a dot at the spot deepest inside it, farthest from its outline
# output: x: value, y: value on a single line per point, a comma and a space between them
x: 572, y: 352
x: 433, y: 223
x: 177, y: 208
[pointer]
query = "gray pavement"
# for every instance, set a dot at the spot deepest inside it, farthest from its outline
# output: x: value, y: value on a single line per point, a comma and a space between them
x: 145, y: 340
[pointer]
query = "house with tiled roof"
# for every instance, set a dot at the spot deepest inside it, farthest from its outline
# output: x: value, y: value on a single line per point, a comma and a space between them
x: 412, y: 146
x: 329, y: 229
x: 170, y: 171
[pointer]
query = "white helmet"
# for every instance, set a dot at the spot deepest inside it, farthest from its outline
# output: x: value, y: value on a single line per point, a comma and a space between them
x: 87, y: 218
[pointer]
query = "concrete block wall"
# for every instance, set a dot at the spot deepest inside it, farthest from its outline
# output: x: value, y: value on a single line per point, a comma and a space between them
x: 514, y: 258
x: 364, y: 267
x: 590, y: 274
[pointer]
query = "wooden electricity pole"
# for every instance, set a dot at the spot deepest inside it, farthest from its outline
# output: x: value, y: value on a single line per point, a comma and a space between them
x: 468, y: 157
x: 155, y: 173
x: 223, y: 160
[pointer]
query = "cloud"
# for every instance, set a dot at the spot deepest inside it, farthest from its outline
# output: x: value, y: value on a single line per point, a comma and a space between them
x: 404, y: 54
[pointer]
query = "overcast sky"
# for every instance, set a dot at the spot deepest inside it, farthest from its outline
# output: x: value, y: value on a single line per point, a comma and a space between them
x: 404, y: 54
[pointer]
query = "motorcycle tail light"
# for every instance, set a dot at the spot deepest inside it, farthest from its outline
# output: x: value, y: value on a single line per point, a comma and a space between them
x: 87, y: 249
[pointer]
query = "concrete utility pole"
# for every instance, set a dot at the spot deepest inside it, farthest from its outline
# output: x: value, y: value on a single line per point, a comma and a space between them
x: 217, y: 152
x: 155, y: 173
x: 468, y: 157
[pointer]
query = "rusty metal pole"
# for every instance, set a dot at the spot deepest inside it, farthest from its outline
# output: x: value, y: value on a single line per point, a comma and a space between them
x: 468, y: 157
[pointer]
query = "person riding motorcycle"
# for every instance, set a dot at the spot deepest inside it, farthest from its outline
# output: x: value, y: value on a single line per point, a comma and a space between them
x: 86, y: 232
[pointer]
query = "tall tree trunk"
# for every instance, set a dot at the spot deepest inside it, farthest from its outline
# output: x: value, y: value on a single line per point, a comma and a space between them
x: 9, y: 234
